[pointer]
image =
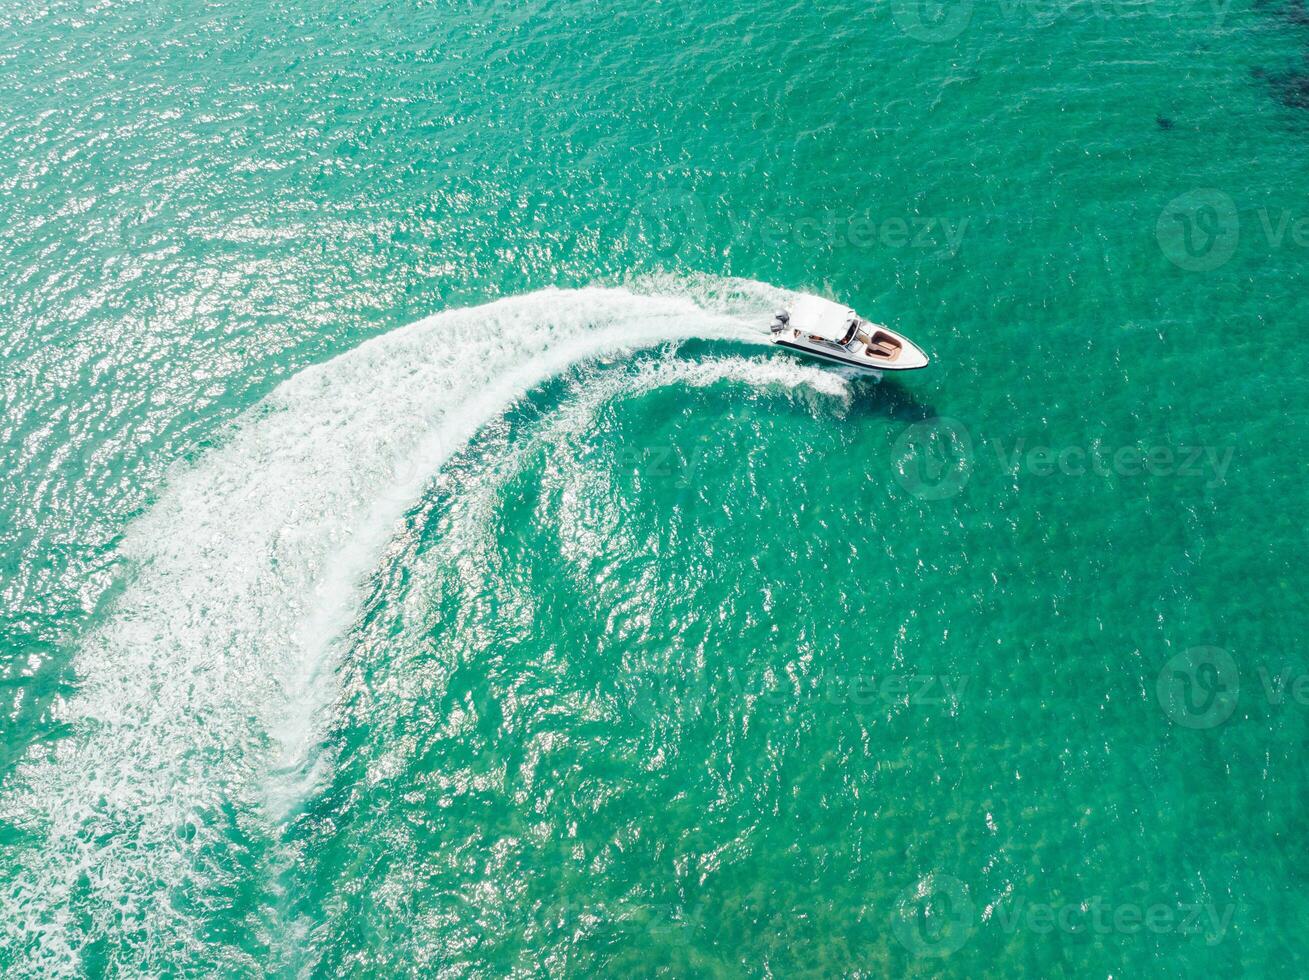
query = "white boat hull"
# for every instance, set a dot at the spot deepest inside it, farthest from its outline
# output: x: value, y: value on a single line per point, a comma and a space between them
x: 857, y: 355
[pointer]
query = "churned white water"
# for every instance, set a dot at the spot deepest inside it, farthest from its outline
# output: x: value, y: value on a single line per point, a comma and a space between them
x: 200, y: 695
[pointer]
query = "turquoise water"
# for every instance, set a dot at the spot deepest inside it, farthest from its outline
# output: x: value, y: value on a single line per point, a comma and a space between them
x: 413, y: 561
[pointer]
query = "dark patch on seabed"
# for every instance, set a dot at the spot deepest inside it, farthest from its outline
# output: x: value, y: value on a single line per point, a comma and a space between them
x: 1290, y: 86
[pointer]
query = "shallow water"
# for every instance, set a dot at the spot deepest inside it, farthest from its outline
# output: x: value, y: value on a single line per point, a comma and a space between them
x: 413, y: 559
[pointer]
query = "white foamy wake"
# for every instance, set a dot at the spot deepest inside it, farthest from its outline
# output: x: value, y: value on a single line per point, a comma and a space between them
x: 195, y: 721
x: 584, y: 519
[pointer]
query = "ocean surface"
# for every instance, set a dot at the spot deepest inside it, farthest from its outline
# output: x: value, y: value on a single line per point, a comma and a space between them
x: 414, y: 561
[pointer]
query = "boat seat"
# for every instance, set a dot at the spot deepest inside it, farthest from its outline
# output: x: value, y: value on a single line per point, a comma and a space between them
x: 883, y: 346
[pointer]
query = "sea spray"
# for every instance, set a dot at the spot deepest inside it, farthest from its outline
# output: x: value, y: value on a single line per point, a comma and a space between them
x: 195, y: 722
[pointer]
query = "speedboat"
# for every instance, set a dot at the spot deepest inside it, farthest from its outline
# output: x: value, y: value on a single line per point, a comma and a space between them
x: 833, y: 332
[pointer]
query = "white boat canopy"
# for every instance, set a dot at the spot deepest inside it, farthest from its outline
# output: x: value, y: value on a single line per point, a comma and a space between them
x: 821, y: 317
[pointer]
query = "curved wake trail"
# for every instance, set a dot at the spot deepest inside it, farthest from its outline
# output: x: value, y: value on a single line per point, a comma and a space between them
x: 195, y: 724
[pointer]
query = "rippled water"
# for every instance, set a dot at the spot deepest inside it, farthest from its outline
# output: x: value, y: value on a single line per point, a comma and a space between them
x: 413, y: 560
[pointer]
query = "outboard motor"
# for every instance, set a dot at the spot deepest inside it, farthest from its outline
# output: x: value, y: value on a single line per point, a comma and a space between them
x: 780, y: 319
